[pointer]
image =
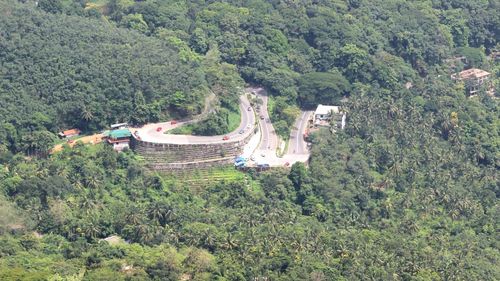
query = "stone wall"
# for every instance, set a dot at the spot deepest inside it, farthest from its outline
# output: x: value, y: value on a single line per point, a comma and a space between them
x: 160, y: 156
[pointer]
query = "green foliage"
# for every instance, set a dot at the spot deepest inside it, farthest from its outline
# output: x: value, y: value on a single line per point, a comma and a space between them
x: 475, y: 57
x: 216, y: 124
x: 67, y: 71
x: 408, y: 191
x: 322, y: 88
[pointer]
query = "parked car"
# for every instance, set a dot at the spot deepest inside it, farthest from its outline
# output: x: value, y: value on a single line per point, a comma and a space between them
x: 225, y: 138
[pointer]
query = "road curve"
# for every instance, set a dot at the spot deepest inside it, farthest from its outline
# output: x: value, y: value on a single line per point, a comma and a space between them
x: 297, y: 144
x: 265, y: 152
x: 151, y: 132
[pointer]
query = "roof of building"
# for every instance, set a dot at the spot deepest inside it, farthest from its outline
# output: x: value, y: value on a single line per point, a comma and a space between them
x: 117, y: 134
x: 326, y: 109
x: 70, y: 132
x: 472, y: 73
x: 117, y: 125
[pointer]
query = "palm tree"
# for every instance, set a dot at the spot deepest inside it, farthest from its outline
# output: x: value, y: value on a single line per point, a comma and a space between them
x: 91, y: 229
x: 134, y: 217
x: 92, y: 182
x: 230, y: 243
x: 86, y: 114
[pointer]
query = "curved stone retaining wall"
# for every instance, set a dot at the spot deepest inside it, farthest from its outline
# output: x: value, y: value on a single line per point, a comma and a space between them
x: 161, y: 156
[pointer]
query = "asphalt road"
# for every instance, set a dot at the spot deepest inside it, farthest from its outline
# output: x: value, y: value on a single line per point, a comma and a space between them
x: 297, y: 144
x: 269, y: 139
x: 265, y: 152
x: 151, y: 133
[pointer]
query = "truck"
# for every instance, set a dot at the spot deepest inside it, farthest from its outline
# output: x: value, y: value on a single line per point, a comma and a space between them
x: 240, y: 164
x: 263, y: 167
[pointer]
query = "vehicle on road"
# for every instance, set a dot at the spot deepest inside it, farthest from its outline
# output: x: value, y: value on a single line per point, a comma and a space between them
x: 158, y: 129
x: 225, y: 138
x: 173, y: 122
x: 241, y: 131
x: 252, y: 157
x: 262, y: 155
x: 261, y: 117
x: 262, y: 167
x: 249, y: 108
x: 287, y: 164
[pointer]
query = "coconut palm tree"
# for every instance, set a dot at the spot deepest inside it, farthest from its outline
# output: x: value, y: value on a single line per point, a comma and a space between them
x: 86, y: 114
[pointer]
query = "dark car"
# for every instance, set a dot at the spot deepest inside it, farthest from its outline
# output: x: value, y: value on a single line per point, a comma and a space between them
x: 225, y: 138
x: 261, y: 117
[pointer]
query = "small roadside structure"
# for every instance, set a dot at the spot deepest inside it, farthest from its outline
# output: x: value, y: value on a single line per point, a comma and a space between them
x: 474, y: 80
x: 118, y: 126
x: 120, y: 138
x: 69, y: 133
x: 325, y: 114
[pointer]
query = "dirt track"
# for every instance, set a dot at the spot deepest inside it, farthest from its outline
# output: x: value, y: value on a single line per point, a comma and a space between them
x: 93, y: 139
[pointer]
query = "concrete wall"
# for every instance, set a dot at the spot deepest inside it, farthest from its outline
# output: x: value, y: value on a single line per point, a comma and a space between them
x: 160, y: 156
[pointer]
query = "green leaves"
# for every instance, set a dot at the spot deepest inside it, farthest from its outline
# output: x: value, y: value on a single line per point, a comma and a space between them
x: 322, y: 88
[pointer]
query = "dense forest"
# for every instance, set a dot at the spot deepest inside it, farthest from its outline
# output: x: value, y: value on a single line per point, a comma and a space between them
x: 408, y: 191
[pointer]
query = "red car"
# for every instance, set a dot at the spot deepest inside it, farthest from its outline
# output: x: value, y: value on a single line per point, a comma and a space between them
x: 173, y: 122
x: 287, y: 164
x: 225, y: 138
x: 158, y: 129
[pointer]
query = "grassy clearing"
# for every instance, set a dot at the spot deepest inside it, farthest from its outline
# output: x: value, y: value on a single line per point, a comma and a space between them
x: 182, y: 130
x: 234, y: 119
x: 198, y: 180
x: 270, y: 105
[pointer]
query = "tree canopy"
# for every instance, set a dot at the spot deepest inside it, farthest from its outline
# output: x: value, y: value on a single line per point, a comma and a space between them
x: 407, y: 191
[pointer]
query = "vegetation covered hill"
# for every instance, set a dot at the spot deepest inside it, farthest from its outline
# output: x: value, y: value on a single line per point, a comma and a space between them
x: 408, y: 191
x: 63, y: 71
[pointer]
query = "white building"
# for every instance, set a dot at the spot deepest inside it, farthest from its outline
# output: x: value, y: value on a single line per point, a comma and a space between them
x: 324, y: 114
x: 119, y: 126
